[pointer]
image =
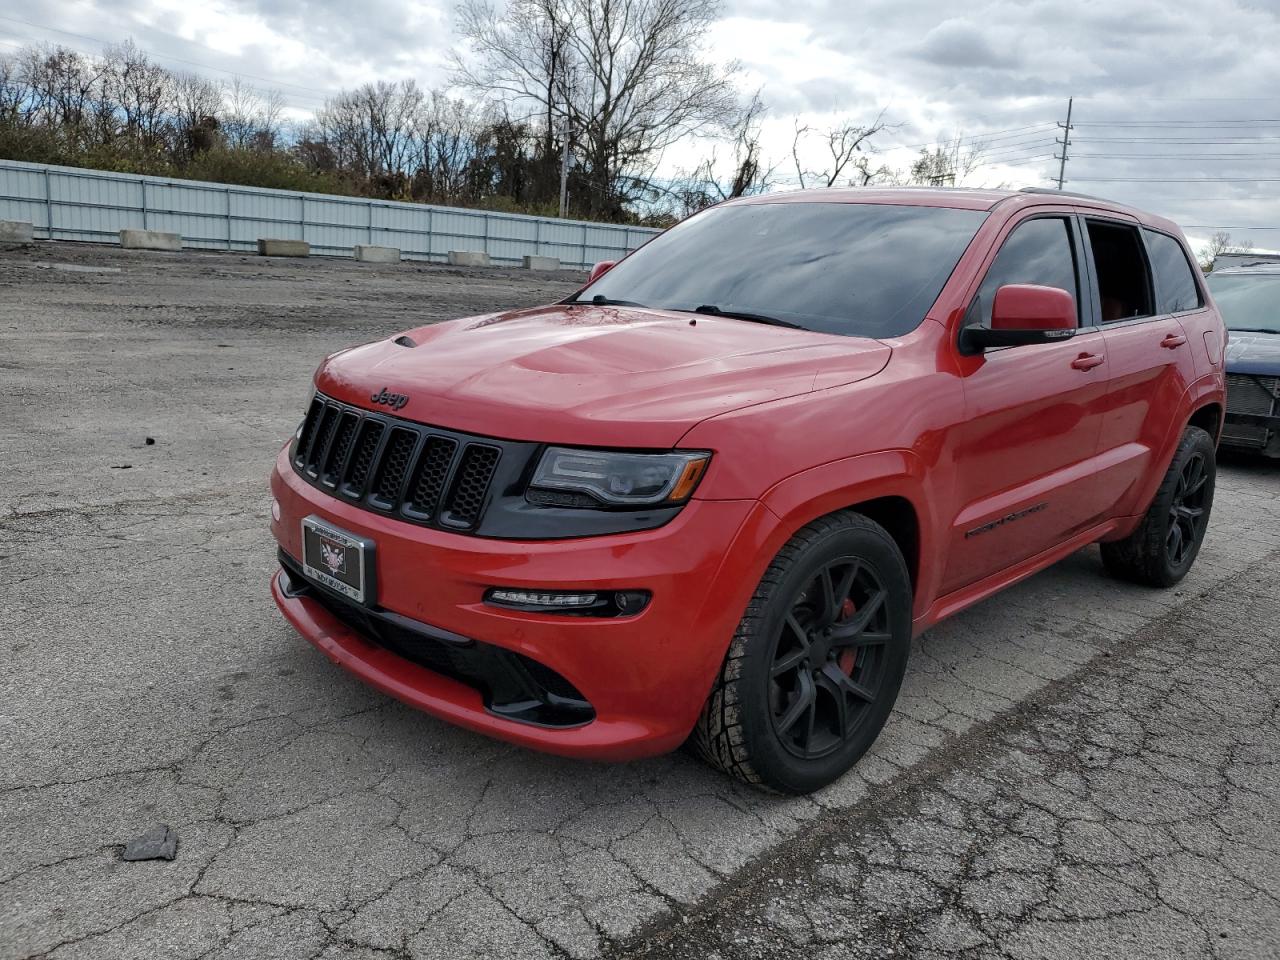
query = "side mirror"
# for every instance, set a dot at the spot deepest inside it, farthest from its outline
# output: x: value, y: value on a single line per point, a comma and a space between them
x: 600, y: 269
x: 1022, y: 314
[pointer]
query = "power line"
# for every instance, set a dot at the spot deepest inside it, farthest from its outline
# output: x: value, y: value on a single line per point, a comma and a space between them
x: 1178, y: 156
x: 1025, y: 160
x: 1217, y: 141
x: 1172, y: 123
x: 1016, y: 151
x: 1193, y: 99
x: 1010, y: 133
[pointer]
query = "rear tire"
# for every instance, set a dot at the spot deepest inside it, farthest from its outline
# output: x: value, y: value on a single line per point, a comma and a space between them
x: 816, y: 662
x: 1163, y: 548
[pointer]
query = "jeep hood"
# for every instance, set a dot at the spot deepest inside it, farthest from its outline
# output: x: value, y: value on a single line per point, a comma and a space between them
x: 593, y: 375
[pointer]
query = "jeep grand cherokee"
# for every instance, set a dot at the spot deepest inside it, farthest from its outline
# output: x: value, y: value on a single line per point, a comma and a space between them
x: 712, y: 496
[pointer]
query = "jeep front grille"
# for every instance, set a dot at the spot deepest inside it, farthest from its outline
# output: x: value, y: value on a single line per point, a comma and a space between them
x: 422, y: 474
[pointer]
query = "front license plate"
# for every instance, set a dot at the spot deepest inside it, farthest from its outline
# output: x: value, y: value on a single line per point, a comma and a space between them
x: 337, y: 559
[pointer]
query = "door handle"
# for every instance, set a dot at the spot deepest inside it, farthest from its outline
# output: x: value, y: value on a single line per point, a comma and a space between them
x: 1086, y: 361
x: 1173, y: 340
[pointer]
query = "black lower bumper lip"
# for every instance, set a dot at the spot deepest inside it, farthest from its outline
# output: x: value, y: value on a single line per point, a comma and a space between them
x: 514, y: 686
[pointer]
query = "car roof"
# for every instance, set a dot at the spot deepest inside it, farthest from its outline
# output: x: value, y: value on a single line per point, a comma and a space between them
x: 962, y: 198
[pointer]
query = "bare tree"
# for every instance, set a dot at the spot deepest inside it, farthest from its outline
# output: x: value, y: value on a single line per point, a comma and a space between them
x: 68, y: 84
x: 197, y: 102
x: 374, y: 132
x: 703, y: 186
x: 12, y: 90
x: 141, y: 92
x: 625, y: 77
x: 1221, y: 243
x: 948, y: 163
x: 249, y: 118
x: 450, y: 130
x: 847, y: 144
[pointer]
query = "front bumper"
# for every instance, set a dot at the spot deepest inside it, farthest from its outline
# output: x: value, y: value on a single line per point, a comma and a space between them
x: 645, y: 677
x: 1252, y: 420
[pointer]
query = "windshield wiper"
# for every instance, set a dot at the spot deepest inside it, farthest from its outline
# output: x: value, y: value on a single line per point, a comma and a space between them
x: 600, y: 300
x: 713, y: 310
x: 1250, y: 330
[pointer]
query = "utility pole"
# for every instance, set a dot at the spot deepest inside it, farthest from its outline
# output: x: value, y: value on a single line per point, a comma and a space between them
x: 1064, y: 143
x: 564, y: 168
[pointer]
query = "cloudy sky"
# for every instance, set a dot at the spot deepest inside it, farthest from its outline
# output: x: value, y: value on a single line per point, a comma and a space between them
x: 1177, y: 103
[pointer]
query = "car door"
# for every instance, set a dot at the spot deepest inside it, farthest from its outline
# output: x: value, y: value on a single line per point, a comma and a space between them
x: 1023, y: 453
x: 1150, y: 358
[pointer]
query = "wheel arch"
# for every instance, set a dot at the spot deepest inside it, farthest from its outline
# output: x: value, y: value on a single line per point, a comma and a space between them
x: 1203, y: 405
x: 890, y: 488
x: 897, y: 514
x: 1208, y: 417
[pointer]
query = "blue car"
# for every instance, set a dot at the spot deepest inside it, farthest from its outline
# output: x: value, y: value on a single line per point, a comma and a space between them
x: 1249, y: 300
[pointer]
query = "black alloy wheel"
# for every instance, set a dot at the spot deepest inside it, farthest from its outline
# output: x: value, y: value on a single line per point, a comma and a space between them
x: 828, y: 661
x: 1165, y: 544
x: 1187, y: 510
x: 814, y: 667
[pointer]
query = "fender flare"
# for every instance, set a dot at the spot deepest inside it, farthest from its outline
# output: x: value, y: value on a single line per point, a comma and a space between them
x: 840, y: 484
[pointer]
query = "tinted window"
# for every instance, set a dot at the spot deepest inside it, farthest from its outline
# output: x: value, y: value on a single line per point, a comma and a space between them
x: 1038, y: 251
x: 1248, y: 301
x: 860, y: 269
x: 1124, y: 285
x: 1175, y: 284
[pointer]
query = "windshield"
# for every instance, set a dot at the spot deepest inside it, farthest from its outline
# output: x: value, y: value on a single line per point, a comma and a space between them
x: 858, y: 269
x: 1248, y: 301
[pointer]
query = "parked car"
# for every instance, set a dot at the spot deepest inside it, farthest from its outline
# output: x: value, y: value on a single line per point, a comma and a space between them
x: 713, y: 495
x: 1249, y: 298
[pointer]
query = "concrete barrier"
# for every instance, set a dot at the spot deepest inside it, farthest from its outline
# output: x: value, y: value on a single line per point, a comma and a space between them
x: 150, y: 240
x: 468, y: 258
x: 283, y: 248
x: 16, y: 232
x: 541, y: 263
x: 367, y: 253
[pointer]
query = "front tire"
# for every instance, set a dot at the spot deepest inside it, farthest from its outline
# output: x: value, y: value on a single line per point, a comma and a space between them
x: 817, y: 660
x: 1163, y: 548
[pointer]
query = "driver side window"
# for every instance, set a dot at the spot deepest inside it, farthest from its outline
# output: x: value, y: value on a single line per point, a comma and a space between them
x: 1038, y: 251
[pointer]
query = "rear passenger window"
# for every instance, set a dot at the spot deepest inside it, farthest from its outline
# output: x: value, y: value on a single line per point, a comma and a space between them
x: 1038, y: 251
x: 1176, y: 287
x: 1124, y: 284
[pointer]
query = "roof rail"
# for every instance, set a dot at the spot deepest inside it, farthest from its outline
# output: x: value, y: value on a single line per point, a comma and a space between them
x: 1063, y: 193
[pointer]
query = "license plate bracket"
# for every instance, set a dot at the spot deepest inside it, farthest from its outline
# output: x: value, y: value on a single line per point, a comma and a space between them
x: 338, y: 560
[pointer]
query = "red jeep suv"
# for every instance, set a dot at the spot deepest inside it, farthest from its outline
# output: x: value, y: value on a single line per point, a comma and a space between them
x: 712, y: 496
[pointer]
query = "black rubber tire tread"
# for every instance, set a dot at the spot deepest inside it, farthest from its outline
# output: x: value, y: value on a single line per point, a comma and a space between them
x: 1140, y: 557
x: 717, y: 736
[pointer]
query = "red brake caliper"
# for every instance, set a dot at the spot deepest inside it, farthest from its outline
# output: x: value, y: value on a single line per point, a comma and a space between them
x: 848, y: 658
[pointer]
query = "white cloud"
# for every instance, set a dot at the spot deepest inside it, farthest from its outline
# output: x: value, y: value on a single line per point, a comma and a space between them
x: 939, y: 68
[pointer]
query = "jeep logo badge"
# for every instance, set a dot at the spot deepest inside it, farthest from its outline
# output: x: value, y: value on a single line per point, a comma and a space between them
x: 393, y: 400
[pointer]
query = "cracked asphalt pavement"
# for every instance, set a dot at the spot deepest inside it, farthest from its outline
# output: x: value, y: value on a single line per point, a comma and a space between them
x: 1076, y: 768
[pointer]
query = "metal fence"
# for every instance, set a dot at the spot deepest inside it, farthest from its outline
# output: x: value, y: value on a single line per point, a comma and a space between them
x: 66, y: 203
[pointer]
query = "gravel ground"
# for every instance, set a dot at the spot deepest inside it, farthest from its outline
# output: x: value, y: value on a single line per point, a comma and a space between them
x: 1076, y: 768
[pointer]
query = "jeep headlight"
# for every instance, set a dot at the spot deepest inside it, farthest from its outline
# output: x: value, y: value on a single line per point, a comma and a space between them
x: 594, y: 478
